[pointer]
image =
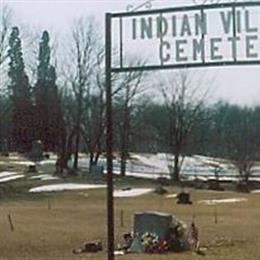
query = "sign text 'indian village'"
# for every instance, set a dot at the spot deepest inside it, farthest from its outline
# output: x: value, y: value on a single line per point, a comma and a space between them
x: 196, y: 36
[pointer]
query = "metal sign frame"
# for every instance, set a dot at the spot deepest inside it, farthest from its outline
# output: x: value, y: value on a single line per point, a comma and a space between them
x: 110, y: 69
x: 202, y: 9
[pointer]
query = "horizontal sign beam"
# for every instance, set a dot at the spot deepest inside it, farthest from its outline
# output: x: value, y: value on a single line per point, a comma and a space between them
x: 185, y: 8
x: 187, y: 65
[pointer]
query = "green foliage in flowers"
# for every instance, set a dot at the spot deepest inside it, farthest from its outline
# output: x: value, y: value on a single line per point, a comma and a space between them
x: 153, y: 244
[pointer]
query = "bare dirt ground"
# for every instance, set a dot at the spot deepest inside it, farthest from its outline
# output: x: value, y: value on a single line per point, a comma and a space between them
x: 50, y: 226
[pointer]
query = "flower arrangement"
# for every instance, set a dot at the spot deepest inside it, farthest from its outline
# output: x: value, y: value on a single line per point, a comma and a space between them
x: 153, y: 244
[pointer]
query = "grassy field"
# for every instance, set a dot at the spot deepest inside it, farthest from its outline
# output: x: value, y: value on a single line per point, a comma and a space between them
x: 50, y: 226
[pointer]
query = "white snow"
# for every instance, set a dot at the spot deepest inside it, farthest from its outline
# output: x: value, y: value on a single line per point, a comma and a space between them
x: 254, y: 178
x: 131, y: 193
x: 14, y: 157
x: 65, y: 186
x: 47, y: 161
x: 158, y: 162
x: 143, y: 175
x: 26, y: 163
x: 255, y: 191
x: 169, y: 196
x: 44, y: 177
x: 218, y: 201
x: 119, y: 252
x: 7, y: 173
x: 10, y: 178
x: 153, y: 166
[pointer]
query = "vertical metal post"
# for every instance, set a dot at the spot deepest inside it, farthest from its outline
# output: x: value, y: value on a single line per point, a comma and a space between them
x: 234, y: 30
x: 203, y: 35
x: 109, y: 143
x: 121, y: 41
x: 161, y: 37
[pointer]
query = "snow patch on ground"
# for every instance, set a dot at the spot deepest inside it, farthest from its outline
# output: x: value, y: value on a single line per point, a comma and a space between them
x: 153, y: 166
x: 65, y: 186
x: 156, y: 161
x: 131, y: 193
x: 44, y: 177
x: 254, y: 178
x: 14, y: 157
x: 255, y: 191
x: 12, y: 177
x: 219, y: 201
x: 169, y: 196
x: 153, y: 176
x: 47, y: 161
x: 7, y: 173
x: 26, y: 163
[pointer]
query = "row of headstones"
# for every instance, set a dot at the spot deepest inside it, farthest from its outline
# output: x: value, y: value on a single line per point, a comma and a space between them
x: 36, y: 152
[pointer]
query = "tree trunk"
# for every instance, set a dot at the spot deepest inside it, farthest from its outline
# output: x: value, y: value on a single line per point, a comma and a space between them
x: 91, y: 159
x: 76, y: 152
x: 65, y: 152
x: 96, y: 158
x: 176, y: 168
x: 62, y: 162
x: 78, y: 119
x: 125, y: 139
x: 124, y: 154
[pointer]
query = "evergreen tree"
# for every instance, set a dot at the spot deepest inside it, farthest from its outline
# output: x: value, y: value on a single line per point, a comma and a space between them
x: 41, y: 91
x: 47, y: 110
x: 22, y: 127
x: 55, y: 123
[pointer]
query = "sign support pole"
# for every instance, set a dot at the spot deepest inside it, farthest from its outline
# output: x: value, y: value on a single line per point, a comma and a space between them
x: 109, y: 142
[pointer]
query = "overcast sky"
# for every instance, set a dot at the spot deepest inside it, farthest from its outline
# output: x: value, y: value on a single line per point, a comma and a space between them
x: 235, y: 84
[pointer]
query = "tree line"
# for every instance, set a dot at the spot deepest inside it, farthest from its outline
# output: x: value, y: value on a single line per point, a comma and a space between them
x: 63, y: 105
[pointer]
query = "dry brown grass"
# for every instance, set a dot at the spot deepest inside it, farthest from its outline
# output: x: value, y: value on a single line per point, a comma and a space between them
x: 74, y: 218
x: 43, y: 234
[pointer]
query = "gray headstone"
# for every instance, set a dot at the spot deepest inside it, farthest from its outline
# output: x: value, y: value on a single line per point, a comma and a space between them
x: 4, y: 148
x: 183, y: 198
x: 37, y: 150
x: 96, y: 171
x: 151, y: 222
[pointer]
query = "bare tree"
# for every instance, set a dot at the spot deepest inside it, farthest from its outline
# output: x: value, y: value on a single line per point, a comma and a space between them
x: 82, y: 61
x: 5, y: 30
x: 128, y: 90
x: 242, y: 139
x: 67, y: 130
x: 93, y: 126
x: 5, y: 27
x: 184, y: 98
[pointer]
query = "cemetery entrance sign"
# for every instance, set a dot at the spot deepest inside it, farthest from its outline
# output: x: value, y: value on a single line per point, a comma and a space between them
x: 222, y: 34
x: 193, y: 36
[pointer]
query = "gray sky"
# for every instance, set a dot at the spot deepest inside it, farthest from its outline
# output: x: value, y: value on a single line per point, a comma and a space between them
x: 235, y: 84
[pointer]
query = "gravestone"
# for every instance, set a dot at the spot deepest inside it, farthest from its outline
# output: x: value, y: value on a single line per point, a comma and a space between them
x: 183, y: 198
x: 32, y: 168
x: 36, y: 152
x: 151, y: 222
x: 160, y: 190
x: 4, y: 148
x: 96, y: 171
